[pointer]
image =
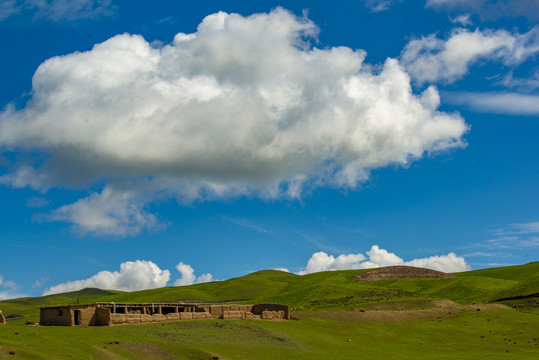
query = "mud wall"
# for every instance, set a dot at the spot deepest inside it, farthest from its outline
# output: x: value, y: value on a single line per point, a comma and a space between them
x: 230, y: 311
x: 56, y: 316
x: 65, y: 316
x: 102, y: 316
x: 88, y: 316
x: 272, y: 311
x: 2, y: 318
x: 259, y: 311
x: 92, y: 315
x: 118, y: 319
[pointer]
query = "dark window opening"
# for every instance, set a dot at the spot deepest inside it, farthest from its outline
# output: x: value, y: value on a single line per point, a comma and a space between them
x: 60, y: 312
x: 167, y: 310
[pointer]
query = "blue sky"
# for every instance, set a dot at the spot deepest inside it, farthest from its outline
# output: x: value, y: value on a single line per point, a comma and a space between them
x: 147, y: 145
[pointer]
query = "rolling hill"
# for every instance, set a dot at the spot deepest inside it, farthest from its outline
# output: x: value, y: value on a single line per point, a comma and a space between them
x: 337, y: 317
x: 317, y: 291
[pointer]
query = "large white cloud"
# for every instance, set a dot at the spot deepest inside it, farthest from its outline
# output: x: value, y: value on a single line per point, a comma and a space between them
x: 377, y: 257
x: 133, y: 275
x: 244, y: 106
x: 430, y: 59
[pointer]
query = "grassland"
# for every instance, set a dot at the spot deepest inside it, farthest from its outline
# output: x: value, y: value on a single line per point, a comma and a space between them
x: 336, y: 317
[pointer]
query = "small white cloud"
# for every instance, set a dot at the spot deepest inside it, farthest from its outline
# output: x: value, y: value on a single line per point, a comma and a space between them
x: 133, y: 275
x: 7, y: 284
x: 511, y: 242
x: 495, y: 102
x: 526, y: 228
x: 430, y: 59
x: 378, y: 257
x: 462, y: 20
x: 205, y: 278
x: 282, y: 269
x: 188, y: 276
x: 321, y: 261
x: 6, y: 295
x: 39, y: 283
x: 486, y: 254
x: 114, y: 212
x: 37, y: 202
x: 246, y: 224
x: 8, y: 8
x: 23, y: 176
x: 57, y: 10
x: 528, y: 83
x: 380, y: 5
x: 9, y: 290
x: 490, y: 9
x: 516, y: 236
x: 382, y: 257
x: 446, y: 263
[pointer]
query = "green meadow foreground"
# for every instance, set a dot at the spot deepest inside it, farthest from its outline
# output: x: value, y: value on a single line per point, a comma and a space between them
x: 487, y: 314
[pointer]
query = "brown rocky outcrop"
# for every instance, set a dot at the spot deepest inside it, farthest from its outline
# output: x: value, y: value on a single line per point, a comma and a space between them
x: 401, y: 272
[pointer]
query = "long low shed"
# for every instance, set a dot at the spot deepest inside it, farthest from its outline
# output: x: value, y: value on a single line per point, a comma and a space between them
x: 106, y: 314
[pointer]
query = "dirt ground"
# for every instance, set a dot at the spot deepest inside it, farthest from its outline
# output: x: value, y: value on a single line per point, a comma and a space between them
x: 401, y: 272
x: 393, y: 311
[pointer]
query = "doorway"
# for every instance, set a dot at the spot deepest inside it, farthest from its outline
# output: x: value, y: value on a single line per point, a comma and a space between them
x: 77, y: 317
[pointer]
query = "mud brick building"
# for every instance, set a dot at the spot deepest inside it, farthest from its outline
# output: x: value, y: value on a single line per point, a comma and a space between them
x: 106, y: 314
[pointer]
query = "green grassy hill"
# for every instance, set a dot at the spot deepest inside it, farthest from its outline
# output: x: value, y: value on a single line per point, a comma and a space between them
x: 339, y: 318
x: 317, y: 291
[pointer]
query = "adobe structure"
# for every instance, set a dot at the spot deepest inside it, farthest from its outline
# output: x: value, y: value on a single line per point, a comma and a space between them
x: 2, y: 318
x: 107, y: 314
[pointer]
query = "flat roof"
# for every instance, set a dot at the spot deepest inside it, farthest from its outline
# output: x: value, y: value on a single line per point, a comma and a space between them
x: 149, y: 304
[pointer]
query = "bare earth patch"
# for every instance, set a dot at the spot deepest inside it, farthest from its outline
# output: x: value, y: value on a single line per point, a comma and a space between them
x: 442, y: 309
x: 401, y: 272
x: 146, y: 351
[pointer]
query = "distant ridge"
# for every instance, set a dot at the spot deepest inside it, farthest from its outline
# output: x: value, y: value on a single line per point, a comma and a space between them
x: 401, y: 272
